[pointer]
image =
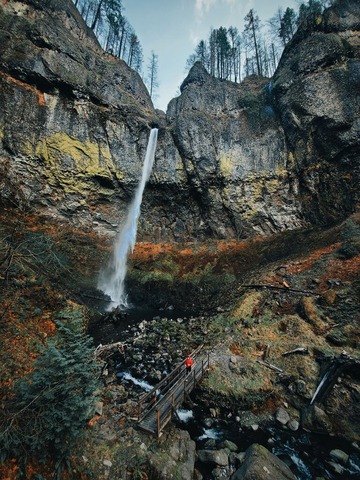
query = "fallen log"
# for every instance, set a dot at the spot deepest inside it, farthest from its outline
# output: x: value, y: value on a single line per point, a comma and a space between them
x: 269, y: 365
x: 336, y: 367
x: 302, y: 350
x: 110, y: 347
x: 283, y: 288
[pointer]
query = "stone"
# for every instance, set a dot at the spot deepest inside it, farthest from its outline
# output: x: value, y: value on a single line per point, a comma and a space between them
x: 99, y: 407
x: 236, y: 459
x: 229, y: 445
x: 301, y: 387
x: 218, y: 457
x: 221, y: 473
x: 260, y: 464
x: 314, y: 419
x: 213, y: 412
x: 107, y: 463
x: 179, y: 461
x: 339, y: 456
x: 282, y: 416
x: 336, y: 467
x: 293, y: 425
x: 208, y: 422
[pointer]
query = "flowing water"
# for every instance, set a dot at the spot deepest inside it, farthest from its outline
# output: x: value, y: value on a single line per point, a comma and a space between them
x: 112, y: 278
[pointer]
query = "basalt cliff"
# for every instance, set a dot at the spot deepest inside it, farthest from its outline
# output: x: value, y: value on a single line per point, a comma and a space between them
x: 233, y: 160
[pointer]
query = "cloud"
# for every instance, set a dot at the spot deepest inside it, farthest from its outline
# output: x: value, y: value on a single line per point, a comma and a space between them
x: 204, y: 6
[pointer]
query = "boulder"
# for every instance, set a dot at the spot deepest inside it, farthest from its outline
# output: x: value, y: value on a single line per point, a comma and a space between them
x: 218, y: 457
x: 230, y: 445
x: 339, y: 456
x: 314, y: 419
x: 180, y: 458
x: 260, y: 464
x: 282, y: 416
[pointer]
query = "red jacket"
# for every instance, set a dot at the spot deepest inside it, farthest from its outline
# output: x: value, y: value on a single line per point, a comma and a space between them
x: 189, y: 362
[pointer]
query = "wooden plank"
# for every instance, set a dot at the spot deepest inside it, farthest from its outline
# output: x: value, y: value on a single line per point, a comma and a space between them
x: 160, y: 413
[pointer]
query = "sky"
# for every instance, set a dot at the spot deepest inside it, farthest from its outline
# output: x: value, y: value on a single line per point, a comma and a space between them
x: 173, y: 28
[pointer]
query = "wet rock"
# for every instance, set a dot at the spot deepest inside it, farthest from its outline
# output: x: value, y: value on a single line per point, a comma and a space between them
x: 336, y: 467
x: 213, y: 412
x: 210, y: 444
x: 219, y: 457
x: 261, y: 464
x: 222, y: 473
x: 230, y: 445
x: 293, y: 425
x: 339, y: 456
x: 236, y: 459
x: 208, y: 422
x: 197, y: 475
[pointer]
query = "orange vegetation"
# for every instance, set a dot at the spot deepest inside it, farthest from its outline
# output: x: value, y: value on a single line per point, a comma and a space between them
x: 40, y: 96
x: 306, y: 262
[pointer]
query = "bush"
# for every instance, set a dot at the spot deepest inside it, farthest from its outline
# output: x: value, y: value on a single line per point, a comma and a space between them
x: 50, y: 405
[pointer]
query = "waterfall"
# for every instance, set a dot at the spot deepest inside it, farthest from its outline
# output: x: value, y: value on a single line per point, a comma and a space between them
x: 112, y: 278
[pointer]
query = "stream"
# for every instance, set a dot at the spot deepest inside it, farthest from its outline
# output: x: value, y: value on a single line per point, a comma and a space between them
x: 307, y: 454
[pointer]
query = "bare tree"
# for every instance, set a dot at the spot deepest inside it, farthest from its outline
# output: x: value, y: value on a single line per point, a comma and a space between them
x: 252, y: 28
x: 152, y: 79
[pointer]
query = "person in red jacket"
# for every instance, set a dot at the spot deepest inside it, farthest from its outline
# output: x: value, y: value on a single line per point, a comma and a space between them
x: 188, y: 363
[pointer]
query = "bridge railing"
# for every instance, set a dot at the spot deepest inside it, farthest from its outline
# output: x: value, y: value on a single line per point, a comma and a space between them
x: 148, y: 400
x: 162, y: 411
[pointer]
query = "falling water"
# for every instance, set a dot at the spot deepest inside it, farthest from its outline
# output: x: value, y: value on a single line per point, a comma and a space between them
x: 112, y: 278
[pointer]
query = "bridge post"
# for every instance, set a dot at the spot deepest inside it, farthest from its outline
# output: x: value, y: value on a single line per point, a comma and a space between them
x: 139, y: 410
x: 158, y: 422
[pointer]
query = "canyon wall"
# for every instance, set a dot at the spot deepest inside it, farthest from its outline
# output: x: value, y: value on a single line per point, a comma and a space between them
x: 233, y: 160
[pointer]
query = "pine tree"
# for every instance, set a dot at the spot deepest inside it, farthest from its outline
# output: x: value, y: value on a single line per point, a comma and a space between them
x: 50, y: 406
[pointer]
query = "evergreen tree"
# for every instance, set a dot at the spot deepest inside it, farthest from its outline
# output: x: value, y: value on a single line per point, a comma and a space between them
x: 50, y: 406
x: 309, y: 13
x: 287, y: 25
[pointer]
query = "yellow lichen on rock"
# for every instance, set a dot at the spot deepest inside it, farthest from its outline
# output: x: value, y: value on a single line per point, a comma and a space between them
x: 61, y: 149
x: 226, y: 164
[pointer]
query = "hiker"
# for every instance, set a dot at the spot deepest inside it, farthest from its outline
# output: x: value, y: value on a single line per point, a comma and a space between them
x: 188, y: 364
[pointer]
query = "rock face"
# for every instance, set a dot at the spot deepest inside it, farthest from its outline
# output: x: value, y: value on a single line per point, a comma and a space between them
x: 316, y: 95
x: 232, y: 160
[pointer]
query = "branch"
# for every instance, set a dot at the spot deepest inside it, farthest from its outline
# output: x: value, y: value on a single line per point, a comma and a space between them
x: 269, y: 365
x: 302, y: 350
x: 283, y: 288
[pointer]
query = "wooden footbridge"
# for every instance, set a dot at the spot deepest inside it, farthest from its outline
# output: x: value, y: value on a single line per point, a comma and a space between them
x: 156, y: 408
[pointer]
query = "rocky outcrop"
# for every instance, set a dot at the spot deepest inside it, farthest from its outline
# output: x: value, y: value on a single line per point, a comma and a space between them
x: 316, y: 96
x: 74, y: 121
x: 232, y: 160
